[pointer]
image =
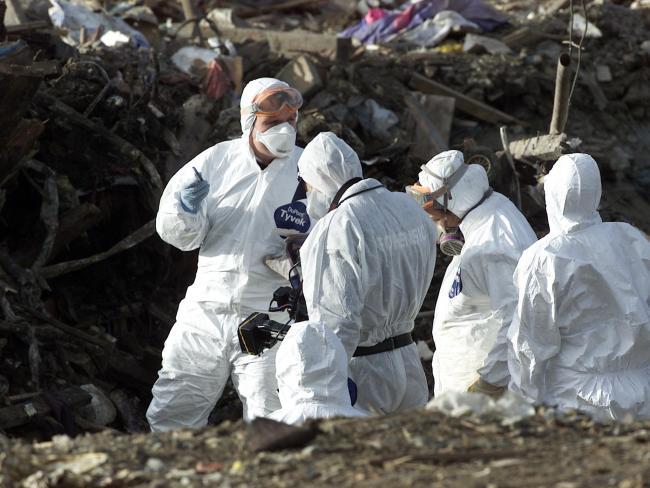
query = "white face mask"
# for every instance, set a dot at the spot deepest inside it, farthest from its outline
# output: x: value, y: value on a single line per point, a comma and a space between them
x: 279, y: 139
x: 317, y: 204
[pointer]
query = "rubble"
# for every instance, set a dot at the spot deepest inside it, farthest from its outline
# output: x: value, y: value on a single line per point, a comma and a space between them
x: 90, y: 133
x: 417, y: 448
x: 302, y: 74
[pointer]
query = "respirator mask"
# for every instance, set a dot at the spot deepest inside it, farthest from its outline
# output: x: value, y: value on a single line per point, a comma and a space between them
x: 279, y: 139
x: 451, y: 239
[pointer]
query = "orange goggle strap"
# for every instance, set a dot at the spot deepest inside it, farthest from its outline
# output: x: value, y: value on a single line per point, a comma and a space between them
x: 275, y: 101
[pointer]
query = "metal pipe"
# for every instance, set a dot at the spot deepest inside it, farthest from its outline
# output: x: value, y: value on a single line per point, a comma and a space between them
x: 562, y: 91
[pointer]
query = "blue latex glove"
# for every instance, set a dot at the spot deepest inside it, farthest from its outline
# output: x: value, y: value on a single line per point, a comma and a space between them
x: 192, y: 196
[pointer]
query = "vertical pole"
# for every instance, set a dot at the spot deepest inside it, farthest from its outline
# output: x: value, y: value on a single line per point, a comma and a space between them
x: 562, y: 90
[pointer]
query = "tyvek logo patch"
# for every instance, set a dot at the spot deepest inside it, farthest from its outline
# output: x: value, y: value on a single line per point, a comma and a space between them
x: 292, y: 217
x: 456, y: 286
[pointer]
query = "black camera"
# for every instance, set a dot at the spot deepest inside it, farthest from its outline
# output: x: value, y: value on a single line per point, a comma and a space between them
x: 258, y: 331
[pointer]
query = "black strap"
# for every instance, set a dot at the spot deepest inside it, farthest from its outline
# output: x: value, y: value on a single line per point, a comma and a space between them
x: 336, y: 203
x: 389, y: 344
x: 301, y: 191
x: 342, y: 190
x: 486, y: 195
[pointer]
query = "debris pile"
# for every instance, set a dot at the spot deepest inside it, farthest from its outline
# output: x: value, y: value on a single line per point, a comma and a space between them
x: 99, y: 106
x: 398, y: 450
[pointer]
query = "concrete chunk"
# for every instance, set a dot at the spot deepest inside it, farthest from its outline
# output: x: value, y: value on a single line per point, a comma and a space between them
x: 301, y: 74
x: 548, y: 148
x: 603, y: 73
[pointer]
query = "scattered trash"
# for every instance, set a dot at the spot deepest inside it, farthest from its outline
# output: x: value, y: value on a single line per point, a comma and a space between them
x: 75, y: 18
x: 510, y: 408
x: 377, y: 119
x: 88, y: 293
x: 219, y: 73
x: 381, y: 25
x: 433, y: 31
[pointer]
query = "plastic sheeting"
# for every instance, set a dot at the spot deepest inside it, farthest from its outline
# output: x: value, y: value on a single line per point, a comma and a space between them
x: 377, y: 28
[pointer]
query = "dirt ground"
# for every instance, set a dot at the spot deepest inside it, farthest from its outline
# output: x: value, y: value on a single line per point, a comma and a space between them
x: 419, y: 448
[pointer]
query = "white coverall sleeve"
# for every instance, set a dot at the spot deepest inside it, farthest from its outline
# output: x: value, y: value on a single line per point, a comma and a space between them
x: 336, y: 297
x: 496, y: 277
x: 534, y: 337
x: 176, y: 226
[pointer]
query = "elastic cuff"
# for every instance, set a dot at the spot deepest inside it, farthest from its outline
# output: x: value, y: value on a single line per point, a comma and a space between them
x: 187, y: 209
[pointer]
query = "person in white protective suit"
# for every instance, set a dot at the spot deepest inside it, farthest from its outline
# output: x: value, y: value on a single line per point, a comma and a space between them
x: 486, y: 234
x: 367, y: 265
x: 580, y: 337
x: 312, y: 375
x: 234, y: 202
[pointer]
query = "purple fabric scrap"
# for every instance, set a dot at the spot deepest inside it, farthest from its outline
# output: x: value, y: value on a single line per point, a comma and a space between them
x: 414, y: 14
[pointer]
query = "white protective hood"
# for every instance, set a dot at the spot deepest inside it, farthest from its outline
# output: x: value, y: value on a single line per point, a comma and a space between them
x: 312, y: 373
x: 327, y: 163
x: 572, y: 191
x: 251, y: 90
x: 467, y: 192
x: 311, y: 366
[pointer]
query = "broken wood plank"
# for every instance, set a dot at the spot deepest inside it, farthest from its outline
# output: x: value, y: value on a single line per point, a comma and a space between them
x: 17, y: 415
x: 125, y: 148
x: 128, y: 242
x: 525, y: 36
x: 104, y: 343
x: 434, y: 141
x: 28, y: 26
x: 15, y: 14
x: 49, y: 210
x: 547, y: 148
x: 554, y: 6
x: 464, y: 103
x: 295, y: 41
x: 444, y: 457
x: 245, y: 11
x: 37, y: 69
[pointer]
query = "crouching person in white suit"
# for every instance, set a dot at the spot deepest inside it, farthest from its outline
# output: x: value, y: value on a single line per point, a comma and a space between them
x: 580, y: 337
x: 312, y: 374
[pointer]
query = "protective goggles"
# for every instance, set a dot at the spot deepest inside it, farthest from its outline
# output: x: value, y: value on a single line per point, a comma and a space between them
x: 276, y: 101
x: 428, y: 199
x: 424, y: 198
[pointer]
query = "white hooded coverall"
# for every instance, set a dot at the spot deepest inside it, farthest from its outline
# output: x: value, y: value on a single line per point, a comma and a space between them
x: 580, y: 337
x: 312, y: 375
x: 367, y: 266
x: 239, y: 223
x: 477, y: 296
